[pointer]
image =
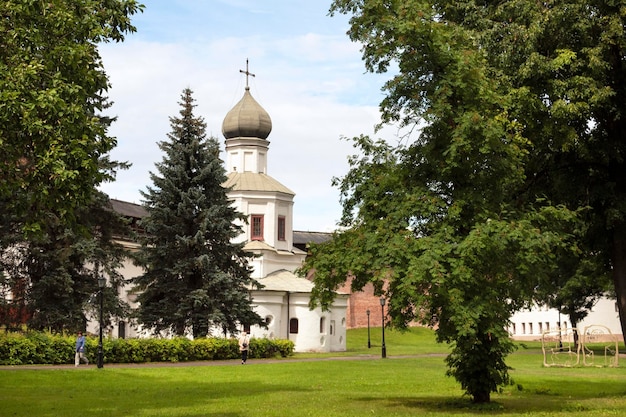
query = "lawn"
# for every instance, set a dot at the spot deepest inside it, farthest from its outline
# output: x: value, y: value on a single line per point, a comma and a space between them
x: 411, y: 381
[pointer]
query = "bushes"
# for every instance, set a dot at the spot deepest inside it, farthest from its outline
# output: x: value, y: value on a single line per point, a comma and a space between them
x: 44, y: 348
x: 35, y: 348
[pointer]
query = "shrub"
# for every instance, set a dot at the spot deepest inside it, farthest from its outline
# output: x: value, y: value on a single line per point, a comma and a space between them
x: 45, y: 348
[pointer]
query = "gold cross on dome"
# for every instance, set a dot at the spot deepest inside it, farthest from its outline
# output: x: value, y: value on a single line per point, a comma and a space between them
x: 248, y: 73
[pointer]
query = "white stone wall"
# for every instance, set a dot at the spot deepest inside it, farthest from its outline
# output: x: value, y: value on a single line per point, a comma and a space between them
x: 530, y: 324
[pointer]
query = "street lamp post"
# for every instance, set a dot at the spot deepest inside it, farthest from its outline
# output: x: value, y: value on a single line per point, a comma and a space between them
x: 369, y: 344
x: 382, y: 305
x: 101, y: 284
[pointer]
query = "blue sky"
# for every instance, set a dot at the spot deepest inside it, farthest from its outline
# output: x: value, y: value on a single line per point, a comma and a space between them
x: 309, y: 77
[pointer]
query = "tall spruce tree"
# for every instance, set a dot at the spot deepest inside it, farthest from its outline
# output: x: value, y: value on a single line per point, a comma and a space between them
x: 50, y: 282
x: 196, y: 279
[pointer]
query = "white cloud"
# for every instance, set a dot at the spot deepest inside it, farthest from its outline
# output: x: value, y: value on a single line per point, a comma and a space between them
x: 312, y: 85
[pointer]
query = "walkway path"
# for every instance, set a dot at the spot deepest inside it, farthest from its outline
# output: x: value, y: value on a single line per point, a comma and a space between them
x: 210, y: 363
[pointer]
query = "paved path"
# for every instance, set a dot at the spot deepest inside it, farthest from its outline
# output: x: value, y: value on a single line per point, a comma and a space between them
x: 230, y: 362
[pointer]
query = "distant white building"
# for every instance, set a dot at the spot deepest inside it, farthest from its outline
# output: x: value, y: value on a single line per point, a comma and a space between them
x: 530, y: 324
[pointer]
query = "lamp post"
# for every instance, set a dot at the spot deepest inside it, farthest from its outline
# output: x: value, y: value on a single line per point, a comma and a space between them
x: 101, y: 284
x: 382, y: 308
x: 369, y: 344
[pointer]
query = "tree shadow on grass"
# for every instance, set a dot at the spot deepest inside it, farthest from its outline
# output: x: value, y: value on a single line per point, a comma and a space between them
x: 554, y: 396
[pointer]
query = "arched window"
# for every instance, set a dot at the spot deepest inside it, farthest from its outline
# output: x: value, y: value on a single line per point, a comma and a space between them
x: 293, y: 326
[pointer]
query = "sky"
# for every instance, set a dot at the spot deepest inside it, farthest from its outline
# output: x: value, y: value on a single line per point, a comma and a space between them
x: 309, y: 77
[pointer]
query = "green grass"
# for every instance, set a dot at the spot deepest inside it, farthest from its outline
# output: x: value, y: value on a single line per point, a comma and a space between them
x: 361, y: 386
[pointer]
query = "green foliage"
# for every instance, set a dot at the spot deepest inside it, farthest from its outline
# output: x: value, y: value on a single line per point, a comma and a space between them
x: 196, y: 279
x: 52, y: 86
x: 512, y: 186
x: 45, y: 348
x: 35, y: 348
x: 53, y: 155
x: 358, y: 386
x: 52, y: 280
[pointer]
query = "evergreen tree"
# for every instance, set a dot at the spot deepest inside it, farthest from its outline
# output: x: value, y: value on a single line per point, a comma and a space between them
x: 51, y: 279
x: 196, y: 279
x: 54, y: 150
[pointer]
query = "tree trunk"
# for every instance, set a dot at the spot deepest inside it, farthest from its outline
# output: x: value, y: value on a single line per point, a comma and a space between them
x: 481, y: 397
x: 619, y: 272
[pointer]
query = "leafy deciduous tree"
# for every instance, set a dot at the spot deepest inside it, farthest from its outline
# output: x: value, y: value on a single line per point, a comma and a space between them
x: 54, y: 153
x: 520, y: 157
x: 52, y: 87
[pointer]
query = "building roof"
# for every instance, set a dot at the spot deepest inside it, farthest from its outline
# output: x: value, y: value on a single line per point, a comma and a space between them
x: 283, y: 280
x: 247, y: 119
x: 250, y: 181
x: 259, y: 245
x: 128, y: 209
x: 303, y: 238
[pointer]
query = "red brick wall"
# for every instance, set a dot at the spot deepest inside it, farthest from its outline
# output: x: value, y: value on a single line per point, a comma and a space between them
x: 359, y: 303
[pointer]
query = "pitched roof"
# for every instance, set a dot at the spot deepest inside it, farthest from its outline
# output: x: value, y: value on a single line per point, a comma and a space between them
x: 253, y: 245
x: 250, y: 181
x: 283, y: 280
x: 128, y: 209
x: 303, y: 238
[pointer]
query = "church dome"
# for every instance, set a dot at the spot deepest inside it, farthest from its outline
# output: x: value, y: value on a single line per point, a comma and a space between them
x: 247, y: 119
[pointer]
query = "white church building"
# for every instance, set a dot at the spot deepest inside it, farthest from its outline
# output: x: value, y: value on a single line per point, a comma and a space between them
x: 284, y: 299
x: 268, y: 204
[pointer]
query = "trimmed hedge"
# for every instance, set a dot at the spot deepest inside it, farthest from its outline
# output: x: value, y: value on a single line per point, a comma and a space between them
x: 44, y: 348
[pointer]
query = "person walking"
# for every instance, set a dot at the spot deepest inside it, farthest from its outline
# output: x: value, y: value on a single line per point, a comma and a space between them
x: 244, y: 347
x: 80, y: 350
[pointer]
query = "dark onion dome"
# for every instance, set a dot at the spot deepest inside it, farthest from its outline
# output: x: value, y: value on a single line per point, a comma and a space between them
x: 247, y: 119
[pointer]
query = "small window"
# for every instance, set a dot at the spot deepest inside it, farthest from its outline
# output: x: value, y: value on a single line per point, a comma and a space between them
x: 293, y: 326
x: 121, y: 330
x: 281, y: 227
x: 256, y: 227
x: 322, y: 325
x: 332, y: 327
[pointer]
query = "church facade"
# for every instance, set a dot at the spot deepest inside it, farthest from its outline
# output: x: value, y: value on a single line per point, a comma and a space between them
x: 284, y: 299
x: 268, y: 205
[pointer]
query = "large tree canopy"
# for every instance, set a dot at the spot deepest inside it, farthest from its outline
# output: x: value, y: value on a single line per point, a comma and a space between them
x: 513, y: 181
x: 54, y: 148
x: 196, y: 279
x: 52, y: 89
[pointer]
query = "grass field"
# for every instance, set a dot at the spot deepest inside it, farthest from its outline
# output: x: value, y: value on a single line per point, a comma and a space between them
x: 410, y: 382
